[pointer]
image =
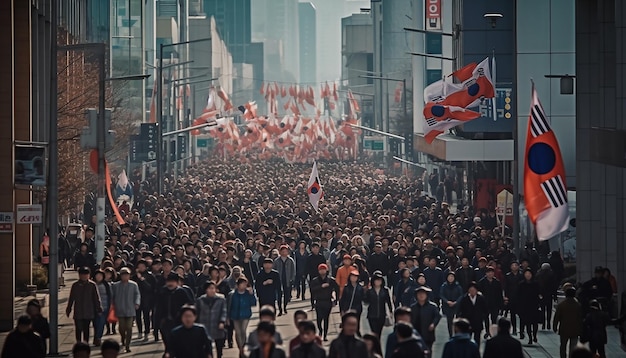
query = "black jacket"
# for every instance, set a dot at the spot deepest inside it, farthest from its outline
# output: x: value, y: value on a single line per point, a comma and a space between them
x: 503, y: 345
x: 422, y: 317
x: 191, y: 342
x: 169, y: 303
x: 511, y: 286
x: 321, y: 294
x: 492, y: 291
x: 23, y: 345
x: 267, y: 293
x: 465, y: 276
x: 147, y: 287
x: 311, y: 264
x: 378, y: 262
x: 474, y: 313
x: 352, y: 298
x: 529, y: 304
x: 275, y: 352
x: 377, y: 302
x: 347, y: 347
x: 408, y: 349
x: 310, y: 350
x: 250, y: 270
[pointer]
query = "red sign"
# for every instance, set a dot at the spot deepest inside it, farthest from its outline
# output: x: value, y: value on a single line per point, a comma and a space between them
x: 433, y: 14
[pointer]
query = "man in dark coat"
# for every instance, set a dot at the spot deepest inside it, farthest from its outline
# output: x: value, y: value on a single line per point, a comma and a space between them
x: 511, y: 291
x: 378, y: 260
x: 322, y: 288
x: 461, y: 344
x: 425, y: 316
x: 23, y: 341
x: 568, y: 320
x: 503, y: 345
x: 171, y: 299
x: 347, y: 344
x: 473, y: 307
x: 315, y: 259
x: 408, y: 346
x: 491, y: 289
x: 267, y: 284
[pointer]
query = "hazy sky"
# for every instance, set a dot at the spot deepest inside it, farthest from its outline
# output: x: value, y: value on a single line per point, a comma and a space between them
x: 329, y: 14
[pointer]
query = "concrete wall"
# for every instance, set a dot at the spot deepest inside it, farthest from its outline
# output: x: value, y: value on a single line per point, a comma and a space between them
x: 601, y: 95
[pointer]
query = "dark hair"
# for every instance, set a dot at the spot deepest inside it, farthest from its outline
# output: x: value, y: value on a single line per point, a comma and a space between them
x: 570, y: 292
x: 348, y: 314
x: 81, y: 347
x: 376, y: 347
x: 207, y: 284
x: 504, y: 325
x: 581, y: 352
x: 404, y: 330
x: 300, y: 313
x: 267, y: 327
x: 267, y: 310
x: 462, y: 325
x: 401, y: 311
x: 307, y: 326
x: 24, y: 320
x: 241, y: 280
x: 109, y: 344
x: 188, y: 308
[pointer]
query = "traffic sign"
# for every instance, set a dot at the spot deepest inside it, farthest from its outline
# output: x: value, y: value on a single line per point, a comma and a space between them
x: 29, y: 214
x: 6, y: 222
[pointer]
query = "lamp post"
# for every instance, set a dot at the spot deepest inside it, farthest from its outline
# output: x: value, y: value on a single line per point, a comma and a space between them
x: 159, y: 81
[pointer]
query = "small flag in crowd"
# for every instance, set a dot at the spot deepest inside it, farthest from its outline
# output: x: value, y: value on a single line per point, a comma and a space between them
x: 314, y: 188
x: 545, y: 191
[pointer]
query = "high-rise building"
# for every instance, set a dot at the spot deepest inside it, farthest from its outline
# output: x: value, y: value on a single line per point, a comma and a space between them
x: 275, y: 23
x: 308, y: 46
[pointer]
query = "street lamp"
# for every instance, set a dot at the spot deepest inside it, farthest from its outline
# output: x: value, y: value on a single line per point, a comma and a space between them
x: 159, y: 81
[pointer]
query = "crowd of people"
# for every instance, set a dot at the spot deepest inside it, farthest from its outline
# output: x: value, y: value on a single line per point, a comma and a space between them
x: 188, y: 267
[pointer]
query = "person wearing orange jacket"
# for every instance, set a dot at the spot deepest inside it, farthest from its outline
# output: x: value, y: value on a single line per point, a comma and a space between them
x: 343, y: 273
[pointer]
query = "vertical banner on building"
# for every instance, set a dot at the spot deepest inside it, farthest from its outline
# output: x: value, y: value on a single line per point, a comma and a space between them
x: 433, y: 14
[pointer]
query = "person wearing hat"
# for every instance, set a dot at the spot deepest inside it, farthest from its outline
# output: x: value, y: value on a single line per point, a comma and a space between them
x: 267, y: 284
x: 85, y: 300
x: 425, y: 316
x: 170, y: 299
x: 343, y: 273
x: 286, y: 268
x: 23, y: 341
x: 379, y: 300
x: 353, y: 295
x: 450, y: 293
x: 567, y: 321
x: 39, y: 322
x: 491, y: 288
x: 126, y: 300
x: 473, y: 307
x: 322, y: 288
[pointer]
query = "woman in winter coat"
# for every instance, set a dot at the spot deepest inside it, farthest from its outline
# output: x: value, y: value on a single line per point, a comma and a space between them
x: 212, y: 313
x: 250, y: 267
x: 450, y: 293
x: 104, y: 289
x: 240, y: 303
x: 353, y: 295
x: 378, y: 299
x: 301, y: 257
x: 404, y: 290
x: 530, y: 312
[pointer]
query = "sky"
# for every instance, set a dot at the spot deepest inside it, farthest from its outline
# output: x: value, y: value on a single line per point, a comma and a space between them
x: 329, y: 15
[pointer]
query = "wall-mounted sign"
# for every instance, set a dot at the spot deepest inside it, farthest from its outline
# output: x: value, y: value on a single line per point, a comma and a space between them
x: 433, y: 14
x: 6, y: 222
x: 30, y: 165
x: 29, y: 214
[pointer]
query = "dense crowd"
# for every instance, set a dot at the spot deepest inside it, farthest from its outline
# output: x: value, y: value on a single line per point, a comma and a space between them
x: 188, y: 267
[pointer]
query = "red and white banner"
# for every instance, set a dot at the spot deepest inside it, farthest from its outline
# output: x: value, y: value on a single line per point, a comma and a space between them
x: 433, y: 14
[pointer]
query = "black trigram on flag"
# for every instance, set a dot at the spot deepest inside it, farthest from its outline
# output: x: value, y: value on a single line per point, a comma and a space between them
x: 555, y: 191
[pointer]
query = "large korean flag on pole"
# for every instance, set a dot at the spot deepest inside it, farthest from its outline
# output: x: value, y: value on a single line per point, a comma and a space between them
x: 545, y: 191
x: 314, y: 189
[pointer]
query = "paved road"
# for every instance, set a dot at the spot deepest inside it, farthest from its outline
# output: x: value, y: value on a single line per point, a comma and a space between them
x: 548, y: 346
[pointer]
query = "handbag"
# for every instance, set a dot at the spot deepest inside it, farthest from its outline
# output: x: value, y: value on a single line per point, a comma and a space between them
x: 111, y: 317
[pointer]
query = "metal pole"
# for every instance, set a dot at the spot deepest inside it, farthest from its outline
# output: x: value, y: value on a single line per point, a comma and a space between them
x: 100, y: 202
x: 53, y: 189
x: 159, y: 149
x: 403, y: 149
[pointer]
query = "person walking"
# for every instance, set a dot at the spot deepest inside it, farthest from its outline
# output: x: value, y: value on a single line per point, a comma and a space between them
x: 268, y: 284
x: 353, y: 295
x: 40, y: 324
x: 503, y: 345
x: 315, y: 259
x: 104, y: 290
x: 85, y: 300
x: 473, y: 307
x: 567, y: 321
x: 595, y: 328
x: 461, y: 344
x: 23, y: 341
x: 404, y: 289
x: 379, y: 300
x: 425, y: 316
x: 212, y: 313
x: 267, y: 347
x: 408, y: 345
x: 511, y: 294
x: 170, y: 300
x: 451, y: 294
x: 126, y: 300
x: 286, y: 268
x: 548, y: 286
x: 190, y: 339
x: 308, y: 346
x: 491, y: 289
x: 347, y: 344
x: 301, y: 258
x: 147, y: 287
x: 530, y: 306
x: 239, y: 307
x: 324, y: 291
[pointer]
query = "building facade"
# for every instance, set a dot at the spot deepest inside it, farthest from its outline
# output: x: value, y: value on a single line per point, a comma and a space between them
x: 307, y: 15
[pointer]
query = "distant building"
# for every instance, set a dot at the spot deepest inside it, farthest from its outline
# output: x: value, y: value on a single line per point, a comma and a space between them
x: 308, y: 47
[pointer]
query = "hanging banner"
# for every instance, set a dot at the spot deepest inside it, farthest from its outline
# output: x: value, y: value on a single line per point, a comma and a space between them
x: 433, y: 14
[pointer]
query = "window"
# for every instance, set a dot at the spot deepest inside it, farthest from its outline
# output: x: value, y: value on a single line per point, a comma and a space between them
x: 432, y: 76
x: 433, y: 43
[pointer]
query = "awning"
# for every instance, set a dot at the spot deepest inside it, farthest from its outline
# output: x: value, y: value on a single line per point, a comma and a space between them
x: 455, y: 149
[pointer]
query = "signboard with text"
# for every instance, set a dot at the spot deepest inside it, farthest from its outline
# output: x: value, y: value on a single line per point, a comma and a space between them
x: 6, y: 222
x: 433, y: 14
x: 29, y: 214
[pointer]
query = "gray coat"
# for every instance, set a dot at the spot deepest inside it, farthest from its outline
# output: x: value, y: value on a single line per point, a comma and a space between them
x: 212, y: 312
x: 290, y: 266
x: 125, y: 297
